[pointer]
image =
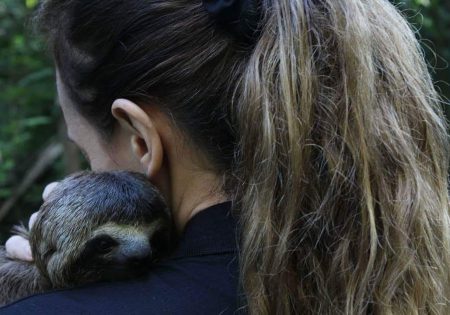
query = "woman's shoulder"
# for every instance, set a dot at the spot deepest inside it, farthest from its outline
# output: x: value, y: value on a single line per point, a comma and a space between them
x: 200, y: 278
x: 196, y: 285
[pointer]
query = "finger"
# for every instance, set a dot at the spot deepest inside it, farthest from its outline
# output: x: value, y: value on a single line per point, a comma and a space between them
x: 32, y: 220
x: 48, y: 189
x: 18, y: 248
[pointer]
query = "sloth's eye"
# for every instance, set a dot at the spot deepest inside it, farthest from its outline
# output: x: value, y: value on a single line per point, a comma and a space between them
x: 104, y: 244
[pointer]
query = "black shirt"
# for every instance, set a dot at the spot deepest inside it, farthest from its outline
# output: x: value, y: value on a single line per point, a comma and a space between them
x: 201, y: 277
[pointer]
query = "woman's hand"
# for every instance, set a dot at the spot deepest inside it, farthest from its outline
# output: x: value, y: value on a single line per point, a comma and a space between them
x: 18, y: 247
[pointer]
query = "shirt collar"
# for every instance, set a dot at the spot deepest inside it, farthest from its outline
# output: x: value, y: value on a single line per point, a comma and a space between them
x: 211, y: 231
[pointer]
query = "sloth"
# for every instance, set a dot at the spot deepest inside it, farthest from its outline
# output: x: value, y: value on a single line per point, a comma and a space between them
x: 94, y: 226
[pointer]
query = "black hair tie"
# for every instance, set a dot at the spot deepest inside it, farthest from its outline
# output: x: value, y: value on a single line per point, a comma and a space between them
x: 239, y: 17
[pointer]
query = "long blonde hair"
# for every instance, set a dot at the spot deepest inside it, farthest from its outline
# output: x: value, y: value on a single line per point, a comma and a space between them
x: 328, y: 130
x: 344, y: 177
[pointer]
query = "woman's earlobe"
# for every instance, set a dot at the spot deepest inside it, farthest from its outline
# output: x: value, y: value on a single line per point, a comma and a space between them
x: 149, y: 151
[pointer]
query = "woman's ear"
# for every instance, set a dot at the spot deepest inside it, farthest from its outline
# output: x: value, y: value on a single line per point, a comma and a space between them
x: 145, y: 140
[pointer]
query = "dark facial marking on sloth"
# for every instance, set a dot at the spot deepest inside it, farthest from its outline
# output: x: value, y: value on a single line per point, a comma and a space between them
x: 101, y: 245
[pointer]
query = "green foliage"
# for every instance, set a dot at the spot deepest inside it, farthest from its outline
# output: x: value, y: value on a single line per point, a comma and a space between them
x: 432, y: 20
x: 28, y: 117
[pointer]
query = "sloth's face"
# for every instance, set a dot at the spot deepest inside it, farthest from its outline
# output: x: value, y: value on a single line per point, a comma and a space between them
x: 113, y: 252
x: 117, y: 251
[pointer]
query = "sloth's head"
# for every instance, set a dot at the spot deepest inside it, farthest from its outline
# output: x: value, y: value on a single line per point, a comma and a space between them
x: 100, y: 226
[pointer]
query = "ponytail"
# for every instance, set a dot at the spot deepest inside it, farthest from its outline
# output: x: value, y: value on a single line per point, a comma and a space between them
x: 342, y: 162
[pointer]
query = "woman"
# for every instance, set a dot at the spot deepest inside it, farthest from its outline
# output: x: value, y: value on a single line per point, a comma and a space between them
x: 316, y: 118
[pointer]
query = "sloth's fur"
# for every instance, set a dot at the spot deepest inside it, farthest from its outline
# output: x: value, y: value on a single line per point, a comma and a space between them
x: 95, y: 226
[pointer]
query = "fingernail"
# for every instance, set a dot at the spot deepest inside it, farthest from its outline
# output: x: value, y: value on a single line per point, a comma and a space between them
x: 18, y: 248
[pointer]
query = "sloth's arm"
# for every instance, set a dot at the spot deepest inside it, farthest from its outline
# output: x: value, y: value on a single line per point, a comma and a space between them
x: 18, y: 279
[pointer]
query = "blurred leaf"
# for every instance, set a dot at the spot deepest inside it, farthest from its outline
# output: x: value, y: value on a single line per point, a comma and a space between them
x: 4, y: 193
x: 37, y: 76
x: 425, y: 3
x: 36, y: 121
x: 31, y: 3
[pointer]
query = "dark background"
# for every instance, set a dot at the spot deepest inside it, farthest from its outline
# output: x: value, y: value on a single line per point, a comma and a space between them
x: 33, y: 147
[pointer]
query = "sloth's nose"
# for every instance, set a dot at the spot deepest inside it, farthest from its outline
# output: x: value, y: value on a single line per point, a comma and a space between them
x: 136, y: 251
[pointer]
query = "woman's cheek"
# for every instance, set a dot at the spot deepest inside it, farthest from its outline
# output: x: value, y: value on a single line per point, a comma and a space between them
x: 115, y: 160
